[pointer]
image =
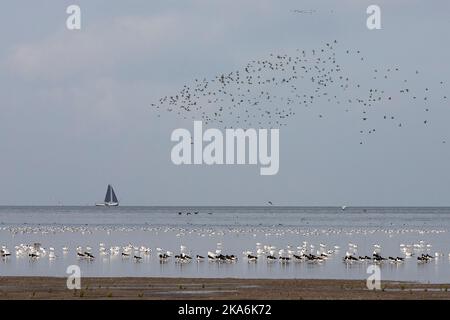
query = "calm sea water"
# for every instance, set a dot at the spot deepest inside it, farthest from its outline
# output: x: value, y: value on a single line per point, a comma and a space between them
x: 237, y: 229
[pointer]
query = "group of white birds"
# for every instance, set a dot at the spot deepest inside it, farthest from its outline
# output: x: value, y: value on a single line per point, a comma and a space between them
x: 305, y: 252
x: 421, y: 250
x: 33, y: 251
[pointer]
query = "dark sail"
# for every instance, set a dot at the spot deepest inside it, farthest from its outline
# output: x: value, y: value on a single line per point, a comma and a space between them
x: 108, y: 194
x: 114, y: 198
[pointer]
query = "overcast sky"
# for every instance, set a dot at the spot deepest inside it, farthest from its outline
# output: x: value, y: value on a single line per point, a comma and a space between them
x: 75, y: 105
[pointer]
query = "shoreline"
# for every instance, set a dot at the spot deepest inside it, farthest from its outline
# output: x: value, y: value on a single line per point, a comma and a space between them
x: 140, y: 288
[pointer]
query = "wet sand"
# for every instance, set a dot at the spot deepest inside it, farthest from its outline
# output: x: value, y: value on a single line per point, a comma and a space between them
x: 188, y: 288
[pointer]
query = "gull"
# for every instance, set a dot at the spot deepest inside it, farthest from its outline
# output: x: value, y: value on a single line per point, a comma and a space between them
x: 80, y: 253
x: 51, y: 254
x: 88, y: 255
x: 252, y: 258
x: 163, y: 257
x: 4, y: 252
x: 200, y: 258
x: 211, y: 255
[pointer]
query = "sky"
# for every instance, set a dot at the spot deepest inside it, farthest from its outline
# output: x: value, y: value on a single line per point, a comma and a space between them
x: 75, y: 109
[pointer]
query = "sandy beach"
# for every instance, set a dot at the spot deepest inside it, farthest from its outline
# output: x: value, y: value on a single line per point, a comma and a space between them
x: 189, y: 288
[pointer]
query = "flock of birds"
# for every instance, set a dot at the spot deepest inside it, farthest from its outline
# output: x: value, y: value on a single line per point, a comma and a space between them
x: 188, y: 213
x: 421, y: 250
x: 269, y: 91
x: 305, y: 252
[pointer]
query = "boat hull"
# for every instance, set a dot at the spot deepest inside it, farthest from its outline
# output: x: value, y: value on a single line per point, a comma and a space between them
x: 112, y: 204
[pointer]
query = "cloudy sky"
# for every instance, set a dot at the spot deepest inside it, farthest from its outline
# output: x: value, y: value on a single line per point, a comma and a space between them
x: 75, y: 105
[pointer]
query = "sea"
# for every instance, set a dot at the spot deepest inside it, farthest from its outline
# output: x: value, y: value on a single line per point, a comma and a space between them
x: 239, y: 231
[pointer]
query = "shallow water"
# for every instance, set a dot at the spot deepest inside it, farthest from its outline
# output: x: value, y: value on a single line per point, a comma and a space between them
x: 237, y: 228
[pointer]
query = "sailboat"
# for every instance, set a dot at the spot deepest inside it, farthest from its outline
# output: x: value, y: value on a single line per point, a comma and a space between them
x: 110, y: 198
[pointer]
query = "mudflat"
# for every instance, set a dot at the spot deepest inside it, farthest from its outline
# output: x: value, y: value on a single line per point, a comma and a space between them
x: 214, y: 288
